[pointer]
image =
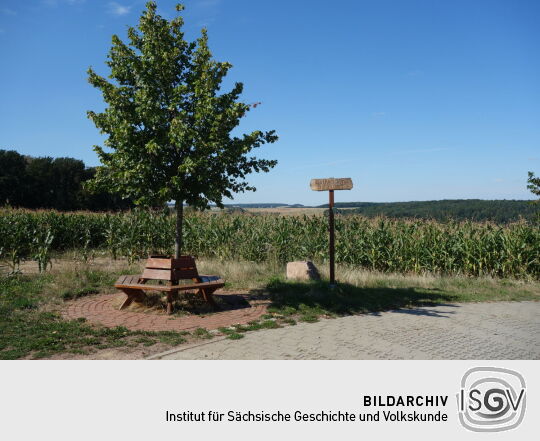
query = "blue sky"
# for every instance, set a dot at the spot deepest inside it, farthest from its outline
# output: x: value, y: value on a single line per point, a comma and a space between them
x: 415, y: 100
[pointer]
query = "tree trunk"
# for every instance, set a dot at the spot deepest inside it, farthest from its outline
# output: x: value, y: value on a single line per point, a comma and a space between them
x: 179, y: 206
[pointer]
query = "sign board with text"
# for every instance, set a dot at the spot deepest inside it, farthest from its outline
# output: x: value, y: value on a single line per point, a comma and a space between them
x: 331, y: 184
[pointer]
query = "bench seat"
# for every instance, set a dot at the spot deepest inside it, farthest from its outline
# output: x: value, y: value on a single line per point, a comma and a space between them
x: 216, y: 283
x: 169, y: 271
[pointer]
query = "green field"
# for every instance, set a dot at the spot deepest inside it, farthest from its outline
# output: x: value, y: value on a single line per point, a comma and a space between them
x: 381, y: 244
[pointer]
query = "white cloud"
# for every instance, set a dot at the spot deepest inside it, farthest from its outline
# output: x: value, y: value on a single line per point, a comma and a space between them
x: 118, y: 9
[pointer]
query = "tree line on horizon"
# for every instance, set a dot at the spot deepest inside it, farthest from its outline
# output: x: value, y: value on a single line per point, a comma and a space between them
x: 58, y: 183
x: 498, y: 211
x: 53, y: 183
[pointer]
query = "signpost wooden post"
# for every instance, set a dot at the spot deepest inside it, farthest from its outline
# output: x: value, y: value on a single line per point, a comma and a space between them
x: 331, y: 184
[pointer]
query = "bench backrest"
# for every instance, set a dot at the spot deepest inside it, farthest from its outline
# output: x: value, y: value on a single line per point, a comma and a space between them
x: 171, y: 270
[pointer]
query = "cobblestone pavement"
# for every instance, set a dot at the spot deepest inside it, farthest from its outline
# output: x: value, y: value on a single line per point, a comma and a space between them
x: 101, y: 309
x: 502, y: 330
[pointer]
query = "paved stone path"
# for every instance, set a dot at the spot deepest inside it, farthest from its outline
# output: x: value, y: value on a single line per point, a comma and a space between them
x: 502, y: 330
x: 102, y: 309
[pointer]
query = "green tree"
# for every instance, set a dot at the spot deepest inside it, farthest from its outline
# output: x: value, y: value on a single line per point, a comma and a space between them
x: 168, y: 126
x: 54, y: 183
x: 100, y: 200
x: 41, y: 182
x: 12, y: 177
x: 533, y: 184
x: 69, y: 174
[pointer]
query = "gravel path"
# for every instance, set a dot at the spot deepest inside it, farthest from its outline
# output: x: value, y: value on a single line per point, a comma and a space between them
x: 476, y: 331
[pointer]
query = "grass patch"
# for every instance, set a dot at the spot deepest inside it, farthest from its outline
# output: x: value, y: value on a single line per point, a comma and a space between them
x: 27, y: 330
x: 309, y: 318
x: 75, y: 294
x: 311, y: 300
x: 145, y: 341
x: 172, y: 338
x: 80, y: 281
x: 256, y: 325
x: 241, y: 275
x: 235, y: 332
x: 202, y: 333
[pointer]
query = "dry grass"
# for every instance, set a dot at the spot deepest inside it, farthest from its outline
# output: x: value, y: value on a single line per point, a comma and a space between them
x: 241, y: 275
x: 292, y: 211
x: 256, y: 276
x: 70, y: 274
x: 482, y: 286
x: 71, y: 261
x: 288, y: 211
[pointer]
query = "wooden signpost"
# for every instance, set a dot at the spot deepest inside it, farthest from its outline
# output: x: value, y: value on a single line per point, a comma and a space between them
x: 331, y: 184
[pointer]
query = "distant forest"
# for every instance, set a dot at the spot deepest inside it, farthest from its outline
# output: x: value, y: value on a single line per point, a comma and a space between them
x: 265, y: 205
x: 46, y: 182
x: 499, y: 211
x: 58, y: 183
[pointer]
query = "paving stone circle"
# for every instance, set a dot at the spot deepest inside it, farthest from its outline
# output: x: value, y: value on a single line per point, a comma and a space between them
x: 102, y: 309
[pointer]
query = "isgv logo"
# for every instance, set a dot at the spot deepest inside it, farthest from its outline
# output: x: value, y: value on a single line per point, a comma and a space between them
x: 491, y: 399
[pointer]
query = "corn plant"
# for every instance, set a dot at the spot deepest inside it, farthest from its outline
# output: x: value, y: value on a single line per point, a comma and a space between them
x: 42, y: 248
x: 382, y: 244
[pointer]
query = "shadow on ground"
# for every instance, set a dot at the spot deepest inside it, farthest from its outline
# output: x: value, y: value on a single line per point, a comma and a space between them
x: 428, y: 312
x: 312, y: 299
x: 188, y: 303
x: 193, y: 303
x: 346, y: 299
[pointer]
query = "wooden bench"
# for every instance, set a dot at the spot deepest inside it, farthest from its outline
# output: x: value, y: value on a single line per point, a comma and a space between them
x: 170, y: 271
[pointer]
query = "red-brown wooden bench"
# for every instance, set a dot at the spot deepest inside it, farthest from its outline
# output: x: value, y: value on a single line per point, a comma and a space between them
x: 170, y: 271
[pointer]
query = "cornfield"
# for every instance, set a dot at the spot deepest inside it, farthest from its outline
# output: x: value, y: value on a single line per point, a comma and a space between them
x: 381, y: 244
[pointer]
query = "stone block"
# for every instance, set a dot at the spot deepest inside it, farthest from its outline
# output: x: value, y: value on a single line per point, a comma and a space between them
x: 303, y: 270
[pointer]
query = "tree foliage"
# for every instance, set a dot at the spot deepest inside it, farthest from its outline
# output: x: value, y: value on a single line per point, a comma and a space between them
x: 12, y: 172
x: 45, y: 182
x: 168, y: 124
x: 533, y: 184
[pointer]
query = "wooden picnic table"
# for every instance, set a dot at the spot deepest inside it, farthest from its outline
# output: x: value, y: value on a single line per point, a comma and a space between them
x: 171, y: 272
